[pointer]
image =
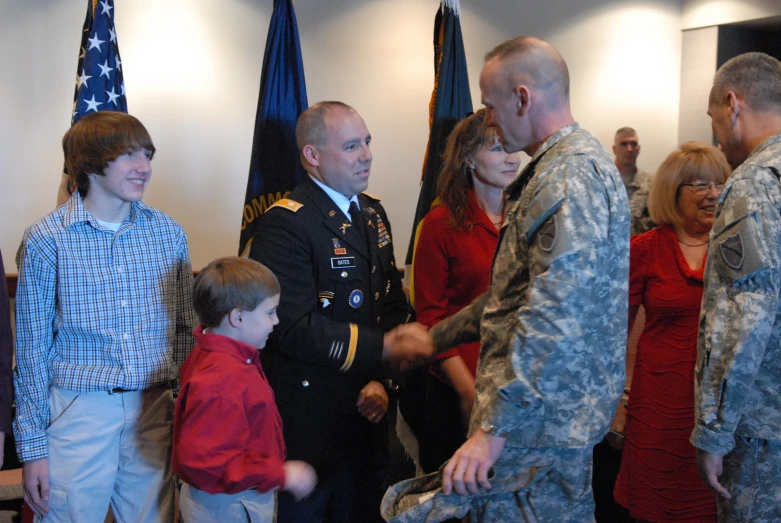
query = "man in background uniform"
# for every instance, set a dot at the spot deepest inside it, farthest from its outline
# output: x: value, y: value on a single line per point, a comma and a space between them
x: 738, y: 375
x: 330, y: 246
x: 553, y: 325
x: 626, y: 147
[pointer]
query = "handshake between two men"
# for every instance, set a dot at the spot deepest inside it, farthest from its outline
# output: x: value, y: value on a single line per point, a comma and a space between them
x: 408, y: 345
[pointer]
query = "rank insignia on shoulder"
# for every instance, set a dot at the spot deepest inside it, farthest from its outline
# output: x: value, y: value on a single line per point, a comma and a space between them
x: 356, y: 298
x: 286, y: 203
x: 375, y: 198
x: 546, y: 235
x: 732, y: 251
x: 326, y: 297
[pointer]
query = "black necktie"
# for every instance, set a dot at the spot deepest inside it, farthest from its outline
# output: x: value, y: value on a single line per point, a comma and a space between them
x: 357, y: 220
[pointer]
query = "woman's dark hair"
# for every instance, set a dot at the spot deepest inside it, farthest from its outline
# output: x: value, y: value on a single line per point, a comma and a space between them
x: 455, y: 178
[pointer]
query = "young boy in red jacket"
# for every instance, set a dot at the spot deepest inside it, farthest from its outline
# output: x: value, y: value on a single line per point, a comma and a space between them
x: 228, y: 445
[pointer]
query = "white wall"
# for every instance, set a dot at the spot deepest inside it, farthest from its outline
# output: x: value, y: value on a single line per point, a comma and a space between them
x: 703, y: 13
x: 192, y: 71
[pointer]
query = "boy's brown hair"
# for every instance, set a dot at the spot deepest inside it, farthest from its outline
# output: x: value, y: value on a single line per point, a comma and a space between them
x: 231, y: 283
x: 97, y: 140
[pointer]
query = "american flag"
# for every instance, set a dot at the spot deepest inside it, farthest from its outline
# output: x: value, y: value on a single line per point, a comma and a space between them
x: 100, y: 85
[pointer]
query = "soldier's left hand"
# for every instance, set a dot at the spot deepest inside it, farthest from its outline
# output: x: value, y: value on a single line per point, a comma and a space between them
x: 711, y: 466
x: 470, y: 464
x: 373, y: 401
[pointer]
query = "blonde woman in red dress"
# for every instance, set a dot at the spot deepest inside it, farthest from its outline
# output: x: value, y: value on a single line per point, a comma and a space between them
x: 658, y: 481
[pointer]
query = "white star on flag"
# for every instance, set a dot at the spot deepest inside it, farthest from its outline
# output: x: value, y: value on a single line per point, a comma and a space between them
x: 106, y: 8
x: 95, y: 42
x: 105, y: 69
x: 112, y: 96
x: 83, y: 78
x: 92, y: 105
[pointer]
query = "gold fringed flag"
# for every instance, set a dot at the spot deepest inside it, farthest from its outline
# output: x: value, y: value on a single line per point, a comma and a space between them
x: 451, y: 102
x: 274, y: 168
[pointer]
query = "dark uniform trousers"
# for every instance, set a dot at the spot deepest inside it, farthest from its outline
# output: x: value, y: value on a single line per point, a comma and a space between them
x: 340, y: 293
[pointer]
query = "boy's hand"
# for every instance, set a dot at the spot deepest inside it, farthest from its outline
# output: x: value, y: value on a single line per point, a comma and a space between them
x: 35, y: 480
x: 300, y: 478
x: 373, y: 401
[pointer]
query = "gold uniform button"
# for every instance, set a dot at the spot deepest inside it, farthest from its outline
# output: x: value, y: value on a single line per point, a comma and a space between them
x: 378, y: 319
x: 344, y: 274
x: 376, y: 295
x: 374, y: 269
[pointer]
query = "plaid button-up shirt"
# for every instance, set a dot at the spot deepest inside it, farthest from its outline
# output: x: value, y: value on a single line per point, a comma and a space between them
x: 97, y: 309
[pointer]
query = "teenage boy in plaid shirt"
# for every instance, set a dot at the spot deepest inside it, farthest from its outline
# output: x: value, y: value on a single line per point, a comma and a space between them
x: 103, y: 323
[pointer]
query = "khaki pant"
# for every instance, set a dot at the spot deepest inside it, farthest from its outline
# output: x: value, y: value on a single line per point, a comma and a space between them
x: 110, y: 449
x: 249, y: 506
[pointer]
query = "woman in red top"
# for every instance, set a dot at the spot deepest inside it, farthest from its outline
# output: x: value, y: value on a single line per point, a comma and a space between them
x: 658, y: 480
x: 451, y: 267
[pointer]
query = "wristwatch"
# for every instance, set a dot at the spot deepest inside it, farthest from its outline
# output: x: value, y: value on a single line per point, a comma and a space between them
x: 493, y: 430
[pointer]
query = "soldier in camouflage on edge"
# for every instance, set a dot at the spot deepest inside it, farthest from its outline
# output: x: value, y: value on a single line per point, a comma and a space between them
x: 738, y: 374
x: 553, y: 325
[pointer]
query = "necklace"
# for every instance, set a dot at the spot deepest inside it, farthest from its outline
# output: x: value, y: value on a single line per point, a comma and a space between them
x: 693, y: 244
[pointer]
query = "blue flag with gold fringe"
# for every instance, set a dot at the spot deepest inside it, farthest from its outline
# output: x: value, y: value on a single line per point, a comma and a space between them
x: 275, y: 169
x: 451, y: 101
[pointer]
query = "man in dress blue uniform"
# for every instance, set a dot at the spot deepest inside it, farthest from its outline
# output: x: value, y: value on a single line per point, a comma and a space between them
x: 330, y: 245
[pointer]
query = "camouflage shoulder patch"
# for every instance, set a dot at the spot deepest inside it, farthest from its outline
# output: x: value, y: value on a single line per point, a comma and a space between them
x: 741, y: 248
x: 286, y: 203
x: 546, y: 234
x: 371, y: 196
x: 732, y: 251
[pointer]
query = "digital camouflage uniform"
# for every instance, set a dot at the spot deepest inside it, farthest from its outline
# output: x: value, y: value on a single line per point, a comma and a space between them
x: 637, y: 188
x: 552, y: 328
x: 738, y: 372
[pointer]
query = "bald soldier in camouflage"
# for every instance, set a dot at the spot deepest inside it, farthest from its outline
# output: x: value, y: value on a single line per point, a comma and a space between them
x: 738, y: 374
x: 553, y: 325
